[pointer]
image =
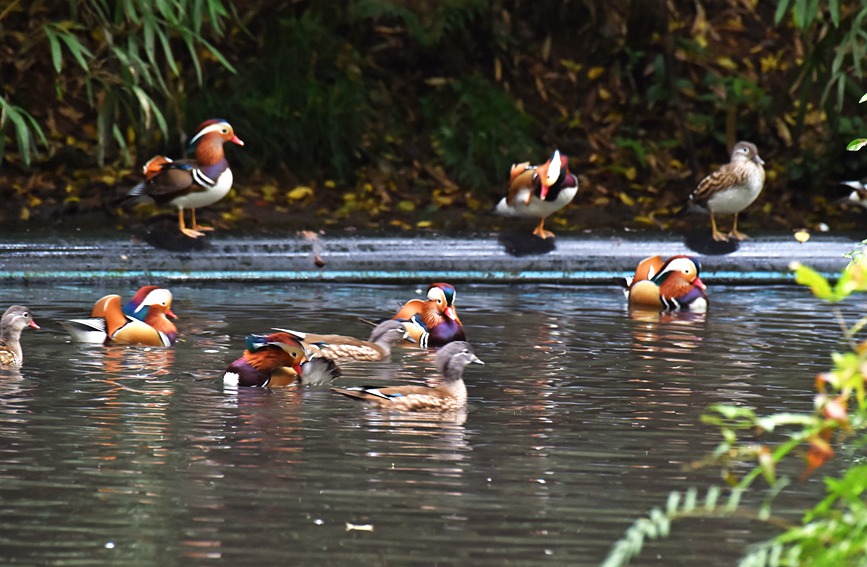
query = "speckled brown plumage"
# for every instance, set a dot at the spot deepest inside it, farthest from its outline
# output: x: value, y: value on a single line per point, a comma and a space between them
x: 14, y: 320
x: 449, y: 392
x: 732, y: 188
x: 341, y: 348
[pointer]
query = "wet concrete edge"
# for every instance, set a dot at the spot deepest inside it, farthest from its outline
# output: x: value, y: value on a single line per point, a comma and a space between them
x: 489, y: 258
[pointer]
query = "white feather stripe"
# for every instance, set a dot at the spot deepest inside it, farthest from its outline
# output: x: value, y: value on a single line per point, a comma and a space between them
x: 231, y: 378
x: 202, y: 179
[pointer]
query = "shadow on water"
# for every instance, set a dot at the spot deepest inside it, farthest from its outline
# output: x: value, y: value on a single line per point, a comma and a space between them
x: 584, y: 417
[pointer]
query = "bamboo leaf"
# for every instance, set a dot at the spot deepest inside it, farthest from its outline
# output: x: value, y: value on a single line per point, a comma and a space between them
x: 782, y: 8
x: 219, y: 56
x: 56, y: 56
x: 144, y: 104
x: 78, y: 49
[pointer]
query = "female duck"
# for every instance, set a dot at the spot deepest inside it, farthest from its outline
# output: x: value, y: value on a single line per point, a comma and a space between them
x: 14, y: 320
x: 340, y: 348
x: 450, y: 392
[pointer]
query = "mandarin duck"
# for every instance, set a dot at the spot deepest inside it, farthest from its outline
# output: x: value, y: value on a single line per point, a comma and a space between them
x: 432, y: 322
x: 191, y: 184
x: 858, y: 196
x: 14, y: 320
x: 278, y: 359
x: 132, y: 308
x: 149, y: 324
x: 340, y: 348
x: 447, y: 394
x: 539, y: 191
x: 732, y: 188
x: 669, y: 286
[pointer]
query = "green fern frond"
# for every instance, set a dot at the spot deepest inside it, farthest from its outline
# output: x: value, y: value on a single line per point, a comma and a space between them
x: 657, y: 524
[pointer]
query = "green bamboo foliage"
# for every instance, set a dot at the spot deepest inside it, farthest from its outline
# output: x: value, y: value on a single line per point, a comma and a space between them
x: 127, y: 61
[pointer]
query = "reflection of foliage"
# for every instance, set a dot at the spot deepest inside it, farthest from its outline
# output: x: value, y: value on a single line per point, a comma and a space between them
x: 832, y: 532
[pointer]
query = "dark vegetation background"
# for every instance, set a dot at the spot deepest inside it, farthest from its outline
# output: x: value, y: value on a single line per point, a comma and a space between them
x: 406, y: 114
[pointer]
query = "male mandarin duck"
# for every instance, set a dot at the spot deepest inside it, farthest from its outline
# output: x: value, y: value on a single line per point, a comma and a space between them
x: 539, y: 191
x: 449, y: 392
x: 432, y: 322
x: 732, y: 188
x: 340, y: 348
x: 192, y: 184
x: 132, y: 308
x: 278, y: 359
x: 14, y: 320
x: 148, y: 325
x: 670, y: 285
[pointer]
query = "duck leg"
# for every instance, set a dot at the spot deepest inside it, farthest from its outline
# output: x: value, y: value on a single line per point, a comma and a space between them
x: 541, y: 232
x: 717, y: 235
x: 734, y: 233
x: 197, y: 226
x: 191, y: 232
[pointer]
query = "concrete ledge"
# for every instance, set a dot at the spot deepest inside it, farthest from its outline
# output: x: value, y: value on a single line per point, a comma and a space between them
x: 483, y: 258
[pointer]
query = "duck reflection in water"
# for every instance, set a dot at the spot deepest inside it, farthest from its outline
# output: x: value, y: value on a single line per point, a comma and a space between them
x: 142, y: 370
x: 673, y: 334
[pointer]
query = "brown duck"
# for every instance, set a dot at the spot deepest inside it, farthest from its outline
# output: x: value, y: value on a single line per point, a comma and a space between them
x: 341, y: 348
x: 14, y: 320
x: 448, y: 393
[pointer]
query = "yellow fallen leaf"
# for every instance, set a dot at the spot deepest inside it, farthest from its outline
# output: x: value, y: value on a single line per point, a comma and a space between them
x: 424, y: 224
x: 299, y: 193
x: 626, y: 199
x: 726, y: 63
x: 595, y: 72
x: 802, y: 235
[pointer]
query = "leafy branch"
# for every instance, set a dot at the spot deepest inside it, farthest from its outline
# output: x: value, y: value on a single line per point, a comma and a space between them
x: 834, y: 531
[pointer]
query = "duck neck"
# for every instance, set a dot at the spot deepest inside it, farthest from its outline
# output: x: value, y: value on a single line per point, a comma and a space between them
x: 209, y: 151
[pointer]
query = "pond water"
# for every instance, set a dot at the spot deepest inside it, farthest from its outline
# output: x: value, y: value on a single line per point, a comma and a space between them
x: 582, y: 419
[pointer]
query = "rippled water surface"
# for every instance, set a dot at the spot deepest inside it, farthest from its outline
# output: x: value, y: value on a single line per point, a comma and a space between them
x: 582, y: 420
